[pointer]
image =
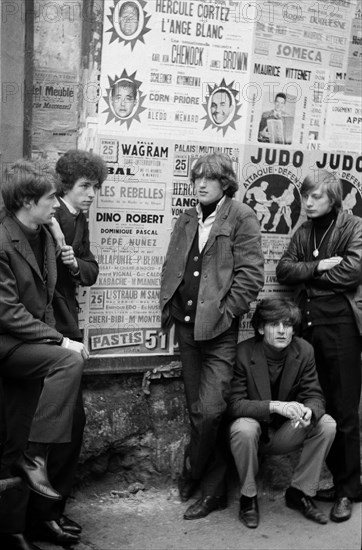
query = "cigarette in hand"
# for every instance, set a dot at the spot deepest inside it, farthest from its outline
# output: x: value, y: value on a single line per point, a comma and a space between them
x: 298, y: 421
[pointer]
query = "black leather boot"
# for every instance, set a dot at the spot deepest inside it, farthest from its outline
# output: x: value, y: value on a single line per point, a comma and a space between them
x: 31, y: 467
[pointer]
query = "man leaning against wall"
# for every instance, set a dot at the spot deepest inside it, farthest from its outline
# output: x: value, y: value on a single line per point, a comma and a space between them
x: 213, y: 270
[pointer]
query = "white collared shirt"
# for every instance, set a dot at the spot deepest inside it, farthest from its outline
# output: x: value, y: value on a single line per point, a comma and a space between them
x: 71, y: 208
x: 205, y: 226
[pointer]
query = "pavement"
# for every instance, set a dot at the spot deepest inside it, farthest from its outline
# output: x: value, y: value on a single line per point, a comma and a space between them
x: 152, y: 519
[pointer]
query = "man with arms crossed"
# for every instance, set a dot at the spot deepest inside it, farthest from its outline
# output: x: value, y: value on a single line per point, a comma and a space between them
x: 323, y: 263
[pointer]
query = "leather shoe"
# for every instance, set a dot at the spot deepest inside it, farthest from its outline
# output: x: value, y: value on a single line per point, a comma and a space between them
x: 16, y: 541
x: 329, y: 495
x: 50, y: 531
x: 326, y: 495
x: 204, y: 505
x: 296, y: 499
x: 341, y: 509
x: 249, y: 511
x: 32, y: 469
x: 69, y: 525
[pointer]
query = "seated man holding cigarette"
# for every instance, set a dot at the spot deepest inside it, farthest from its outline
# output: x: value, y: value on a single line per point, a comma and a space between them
x: 277, y: 406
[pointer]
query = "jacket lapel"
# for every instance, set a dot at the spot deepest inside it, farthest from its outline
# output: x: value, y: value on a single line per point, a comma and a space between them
x: 290, y: 371
x: 79, y: 230
x: 50, y: 262
x: 66, y: 221
x: 221, y: 225
x: 259, y: 371
x: 21, y: 244
x: 191, y: 226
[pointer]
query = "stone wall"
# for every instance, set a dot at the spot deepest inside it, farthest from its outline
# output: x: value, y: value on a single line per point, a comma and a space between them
x: 141, y: 437
x: 138, y: 435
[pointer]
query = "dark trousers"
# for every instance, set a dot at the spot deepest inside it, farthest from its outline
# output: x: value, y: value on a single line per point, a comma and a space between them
x: 41, y: 384
x: 207, y: 368
x: 337, y: 351
x: 62, y: 462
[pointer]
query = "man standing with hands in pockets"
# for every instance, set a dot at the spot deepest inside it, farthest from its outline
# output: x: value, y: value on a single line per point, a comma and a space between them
x: 212, y: 272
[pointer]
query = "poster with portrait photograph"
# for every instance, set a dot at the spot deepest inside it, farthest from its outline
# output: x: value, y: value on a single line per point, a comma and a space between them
x: 178, y: 68
x: 298, y: 49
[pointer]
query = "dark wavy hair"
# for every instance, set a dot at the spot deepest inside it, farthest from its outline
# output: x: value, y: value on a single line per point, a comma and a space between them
x: 281, y: 95
x: 26, y: 180
x: 75, y: 164
x: 216, y: 166
x: 274, y: 310
x: 331, y: 183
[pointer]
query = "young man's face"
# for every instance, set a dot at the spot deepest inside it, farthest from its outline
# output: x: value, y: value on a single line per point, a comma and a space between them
x: 42, y: 211
x: 278, y: 334
x: 316, y: 202
x: 82, y: 194
x: 123, y: 101
x: 279, y: 104
x: 208, y: 190
x: 220, y: 107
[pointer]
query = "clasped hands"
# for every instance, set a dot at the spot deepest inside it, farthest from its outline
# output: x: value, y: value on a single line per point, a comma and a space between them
x: 299, y: 414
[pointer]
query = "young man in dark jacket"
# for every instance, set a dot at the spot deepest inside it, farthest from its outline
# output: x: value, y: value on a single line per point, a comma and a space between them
x: 324, y: 264
x: 212, y: 272
x: 277, y: 406
x: 40, y: 368
x: 81, y: 175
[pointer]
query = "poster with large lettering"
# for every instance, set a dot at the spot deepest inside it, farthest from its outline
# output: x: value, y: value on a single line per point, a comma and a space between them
x: 147, y: 188
x: 306, y: 42
x: 178, y: 68
x: 55, y: 94
x: 272, y: 179
x: 55, y: 108
x: 354, y: 65
x: 129, y: 229
x: 344, y: 123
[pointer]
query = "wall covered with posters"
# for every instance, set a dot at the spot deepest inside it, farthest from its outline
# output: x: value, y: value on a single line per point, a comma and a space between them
x: 276, y: 85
